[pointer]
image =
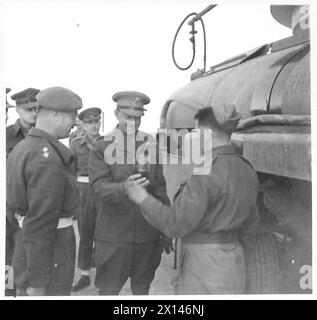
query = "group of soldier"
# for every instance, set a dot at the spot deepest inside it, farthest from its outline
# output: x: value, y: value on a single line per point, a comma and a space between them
x: 125, y: 220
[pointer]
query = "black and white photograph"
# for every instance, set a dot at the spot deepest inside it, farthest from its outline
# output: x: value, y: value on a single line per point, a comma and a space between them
x: 156, y: 148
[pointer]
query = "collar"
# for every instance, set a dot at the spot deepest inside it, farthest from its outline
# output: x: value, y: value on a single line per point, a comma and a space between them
x: 64, y: 152
x: 17, y: 128
x: 224, y: 149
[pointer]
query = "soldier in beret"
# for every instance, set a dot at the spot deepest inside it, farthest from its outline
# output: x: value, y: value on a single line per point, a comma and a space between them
x: 211, y: 213
x: 26, y: 108
x: 81, y: 146
x: 42, y: 193
x: 126, y: 245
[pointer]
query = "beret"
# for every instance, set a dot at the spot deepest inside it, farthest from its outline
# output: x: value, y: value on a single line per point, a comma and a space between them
x: 131, y: 102
x: 60, y: 99
x: 26, y: 99
x: 90, y: 114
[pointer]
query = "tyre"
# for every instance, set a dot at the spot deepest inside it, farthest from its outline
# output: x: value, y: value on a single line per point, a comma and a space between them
x: 262, y: 266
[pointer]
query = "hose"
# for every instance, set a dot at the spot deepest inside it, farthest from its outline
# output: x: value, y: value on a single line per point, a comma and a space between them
x: 192, y: 40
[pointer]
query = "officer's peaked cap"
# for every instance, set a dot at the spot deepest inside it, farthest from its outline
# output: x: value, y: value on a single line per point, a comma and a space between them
x: 26, y: 99
x: 90, y: 114
x: 131, y: 102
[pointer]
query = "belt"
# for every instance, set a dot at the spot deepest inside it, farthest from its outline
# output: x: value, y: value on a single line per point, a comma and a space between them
x: 218, y: 237
x: 62, y: 222
x: 83, y: 179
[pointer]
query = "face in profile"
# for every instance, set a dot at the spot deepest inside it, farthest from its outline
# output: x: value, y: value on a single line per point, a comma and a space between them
x: 66, y: 121
x: 127, y: 123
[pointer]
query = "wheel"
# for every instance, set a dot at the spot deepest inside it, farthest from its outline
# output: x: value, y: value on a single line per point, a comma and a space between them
x: 262, y: 266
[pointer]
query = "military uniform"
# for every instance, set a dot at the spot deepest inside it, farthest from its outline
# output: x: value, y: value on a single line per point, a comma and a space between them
x: 126, y: 245
x: 212, y: 214
x: 81, y: 147
x: 215, y: 209
x: 14, y: 134
x: 42, y: 195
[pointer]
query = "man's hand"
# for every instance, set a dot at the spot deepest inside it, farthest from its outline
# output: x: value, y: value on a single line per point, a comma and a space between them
x: 138, y: 179
x: 36, y: 291
x: 167, y: 244
x: 135, y: 188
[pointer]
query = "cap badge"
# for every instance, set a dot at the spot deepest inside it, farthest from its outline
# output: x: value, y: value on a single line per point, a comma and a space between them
x: 137, y: 102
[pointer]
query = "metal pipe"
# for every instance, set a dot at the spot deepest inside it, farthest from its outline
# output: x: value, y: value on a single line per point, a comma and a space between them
x: 199, y: 15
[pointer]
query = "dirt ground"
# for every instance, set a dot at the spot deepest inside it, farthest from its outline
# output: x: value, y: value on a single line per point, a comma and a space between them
x: 161, y: 284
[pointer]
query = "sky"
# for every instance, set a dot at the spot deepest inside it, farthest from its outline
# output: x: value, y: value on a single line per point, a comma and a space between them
x: 97, y: 48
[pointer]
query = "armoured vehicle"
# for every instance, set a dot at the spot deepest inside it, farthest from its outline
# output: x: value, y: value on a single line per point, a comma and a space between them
x: 270, y: 87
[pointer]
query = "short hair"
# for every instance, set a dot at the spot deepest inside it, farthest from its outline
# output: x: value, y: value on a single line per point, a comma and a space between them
x: 206, y: 117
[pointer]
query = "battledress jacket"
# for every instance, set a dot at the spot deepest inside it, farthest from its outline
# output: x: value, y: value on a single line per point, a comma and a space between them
x: 81, y: 146
x: 41, y: 186
x: 14, y: 134
x: 119, y: 219
x: 217, y: 207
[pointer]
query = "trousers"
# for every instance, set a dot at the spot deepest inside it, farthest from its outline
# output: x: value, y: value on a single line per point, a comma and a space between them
x: 116, y: 262
x: 86, y: 219
x: 211, y: 269
x: 63, y: 267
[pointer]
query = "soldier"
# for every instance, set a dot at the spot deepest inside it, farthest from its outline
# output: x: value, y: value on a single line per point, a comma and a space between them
x: 81, y: 146
x: 26, y: 109
x: 210, y: 214
x: 42, y: 193
x: 126, y: 245
x: 9, y: 229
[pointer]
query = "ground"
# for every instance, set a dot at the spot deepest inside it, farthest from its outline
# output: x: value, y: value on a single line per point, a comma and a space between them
x: 161, y: 284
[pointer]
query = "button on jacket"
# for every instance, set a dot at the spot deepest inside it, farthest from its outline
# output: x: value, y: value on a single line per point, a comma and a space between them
x: 119, y: 219
x: 41, y: 187
x: 208, y: 207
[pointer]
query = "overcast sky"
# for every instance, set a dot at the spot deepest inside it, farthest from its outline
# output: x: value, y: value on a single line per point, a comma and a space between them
x: 96, y: 48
